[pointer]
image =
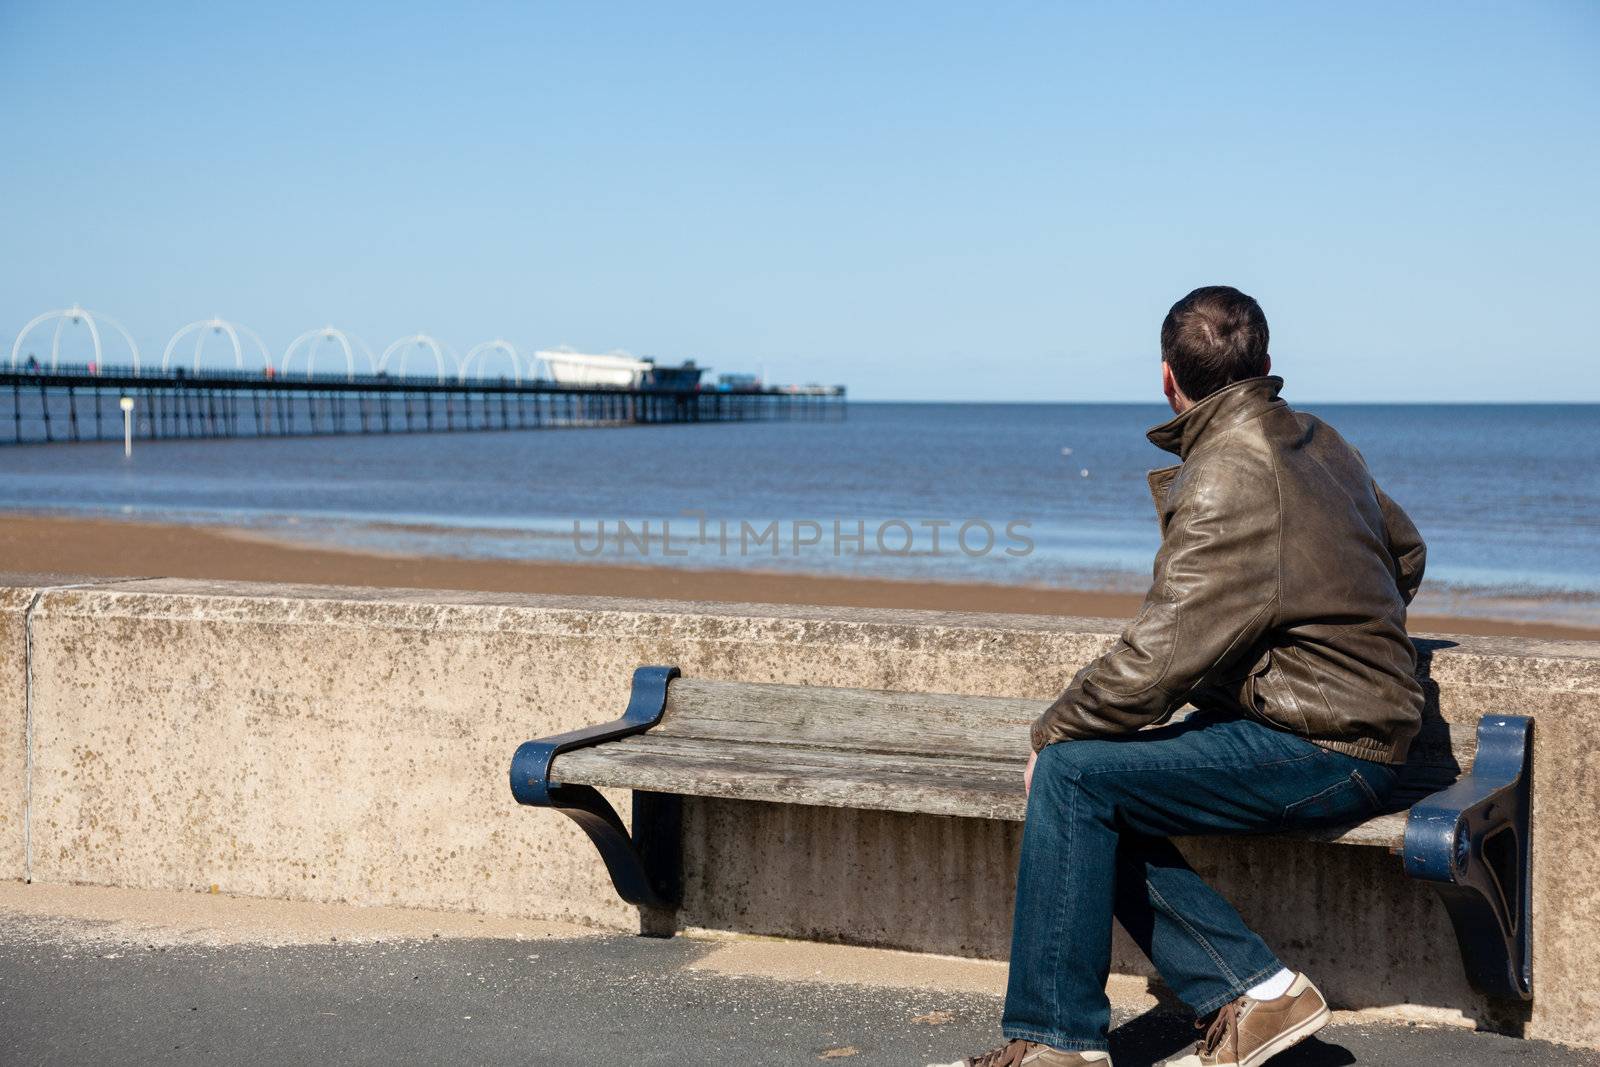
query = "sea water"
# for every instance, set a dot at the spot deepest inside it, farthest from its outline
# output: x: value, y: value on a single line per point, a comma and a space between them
x: 1507, y: 496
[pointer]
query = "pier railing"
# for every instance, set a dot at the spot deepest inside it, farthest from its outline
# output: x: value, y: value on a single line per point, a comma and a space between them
x: 69, y: 404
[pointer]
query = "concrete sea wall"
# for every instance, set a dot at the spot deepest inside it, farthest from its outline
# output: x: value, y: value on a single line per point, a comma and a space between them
x: 351, y: 745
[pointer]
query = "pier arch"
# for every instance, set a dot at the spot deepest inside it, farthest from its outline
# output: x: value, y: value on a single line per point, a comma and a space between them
x: 444, y: 360
x: 486, y: 348
x: 205, y: 328
x: 308, y: 343
x: 76, y: 315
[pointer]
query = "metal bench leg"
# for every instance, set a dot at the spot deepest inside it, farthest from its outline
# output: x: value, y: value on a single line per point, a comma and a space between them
x: 644, y: 866
x: 1473, y: 842
x: 658, y: 838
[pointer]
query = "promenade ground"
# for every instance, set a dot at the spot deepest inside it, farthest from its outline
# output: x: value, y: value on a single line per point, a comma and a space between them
x: 133, y: 977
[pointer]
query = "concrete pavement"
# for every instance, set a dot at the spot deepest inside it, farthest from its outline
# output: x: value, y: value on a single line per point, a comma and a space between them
x: 187, y: 981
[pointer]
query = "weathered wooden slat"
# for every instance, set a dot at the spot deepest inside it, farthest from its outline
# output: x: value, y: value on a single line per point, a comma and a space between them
x: 925, y: 785
x: 804, y: 759
x: 969, y: 795
x: 878, y: 720
x: 1386, y: 831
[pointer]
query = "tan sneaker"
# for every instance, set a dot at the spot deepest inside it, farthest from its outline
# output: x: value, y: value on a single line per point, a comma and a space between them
x: 1018, y: 1053
x: 1249, y: 1032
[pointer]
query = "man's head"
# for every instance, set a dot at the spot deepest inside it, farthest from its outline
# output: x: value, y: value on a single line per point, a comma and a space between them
x: 1213, y: 337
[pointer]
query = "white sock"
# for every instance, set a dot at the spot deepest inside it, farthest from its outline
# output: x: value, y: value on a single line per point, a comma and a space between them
x: 1273, y: 987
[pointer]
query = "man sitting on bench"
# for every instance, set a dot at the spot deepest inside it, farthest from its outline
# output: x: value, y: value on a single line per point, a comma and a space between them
x: 1278, y: 609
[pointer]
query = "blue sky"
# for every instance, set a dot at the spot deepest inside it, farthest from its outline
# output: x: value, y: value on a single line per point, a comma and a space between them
x: 993, y: 201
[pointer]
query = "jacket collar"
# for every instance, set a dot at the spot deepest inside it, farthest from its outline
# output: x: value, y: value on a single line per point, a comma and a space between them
x: 1225, y: 408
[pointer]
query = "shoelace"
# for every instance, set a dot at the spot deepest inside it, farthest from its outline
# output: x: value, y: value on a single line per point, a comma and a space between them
x: 1007, y: 1055
x: 1223, y: 1025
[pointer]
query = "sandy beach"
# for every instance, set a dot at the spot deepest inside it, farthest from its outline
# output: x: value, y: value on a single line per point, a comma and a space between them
x: 32, y: 544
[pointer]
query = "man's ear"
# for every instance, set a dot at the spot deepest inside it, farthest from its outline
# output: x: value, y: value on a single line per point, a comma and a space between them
x: 1268, y: 368
x: 1169, y: 387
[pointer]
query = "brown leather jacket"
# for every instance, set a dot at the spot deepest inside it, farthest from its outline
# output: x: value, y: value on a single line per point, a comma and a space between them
x: 1280, y: 589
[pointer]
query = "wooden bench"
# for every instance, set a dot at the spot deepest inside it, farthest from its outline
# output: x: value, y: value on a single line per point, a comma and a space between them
x: 1463, y: 826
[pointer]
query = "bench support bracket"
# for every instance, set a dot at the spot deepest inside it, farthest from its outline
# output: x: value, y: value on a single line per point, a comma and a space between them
x: 644, y: 866
x: 1472, y: 841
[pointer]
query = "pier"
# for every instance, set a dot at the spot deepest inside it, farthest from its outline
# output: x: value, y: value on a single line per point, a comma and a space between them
x: 79, y: 403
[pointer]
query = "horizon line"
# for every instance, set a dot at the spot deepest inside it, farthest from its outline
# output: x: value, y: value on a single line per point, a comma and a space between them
x: 1161, y: 403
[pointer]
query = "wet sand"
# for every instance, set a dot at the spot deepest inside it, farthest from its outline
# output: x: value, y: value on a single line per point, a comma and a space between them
x: 113, y: 548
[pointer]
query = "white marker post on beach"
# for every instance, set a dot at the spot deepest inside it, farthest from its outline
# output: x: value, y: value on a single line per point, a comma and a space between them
x: 127, y: 425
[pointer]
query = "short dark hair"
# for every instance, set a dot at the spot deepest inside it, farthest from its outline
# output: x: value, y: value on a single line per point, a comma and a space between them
x: 1214, y: 337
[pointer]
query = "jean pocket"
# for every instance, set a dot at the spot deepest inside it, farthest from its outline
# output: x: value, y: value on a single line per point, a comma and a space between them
x: 1345, y: 801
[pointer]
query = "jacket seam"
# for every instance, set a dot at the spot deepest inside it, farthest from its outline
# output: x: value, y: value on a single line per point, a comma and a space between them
x: 1276, y: 599
x: 1166, y: 665
x: 1281, y: 681
x: 1277, y: 562
x: 1223, y: 657
x: 1316, y: 681
x: 1177, y: 609
x: 1327, y: 705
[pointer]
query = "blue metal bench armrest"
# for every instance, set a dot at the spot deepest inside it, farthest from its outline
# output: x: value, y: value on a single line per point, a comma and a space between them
x: 1472, y: 841
x: 638, y: 880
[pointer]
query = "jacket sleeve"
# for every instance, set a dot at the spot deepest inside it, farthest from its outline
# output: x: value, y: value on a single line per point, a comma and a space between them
x: 1214, y: 595
x: 1405, y: 545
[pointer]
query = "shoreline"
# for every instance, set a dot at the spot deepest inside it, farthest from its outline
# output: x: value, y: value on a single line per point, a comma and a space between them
x: 103, y: 547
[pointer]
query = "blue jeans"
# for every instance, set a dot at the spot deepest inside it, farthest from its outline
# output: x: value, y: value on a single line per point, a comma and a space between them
x: 1096, y: 846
